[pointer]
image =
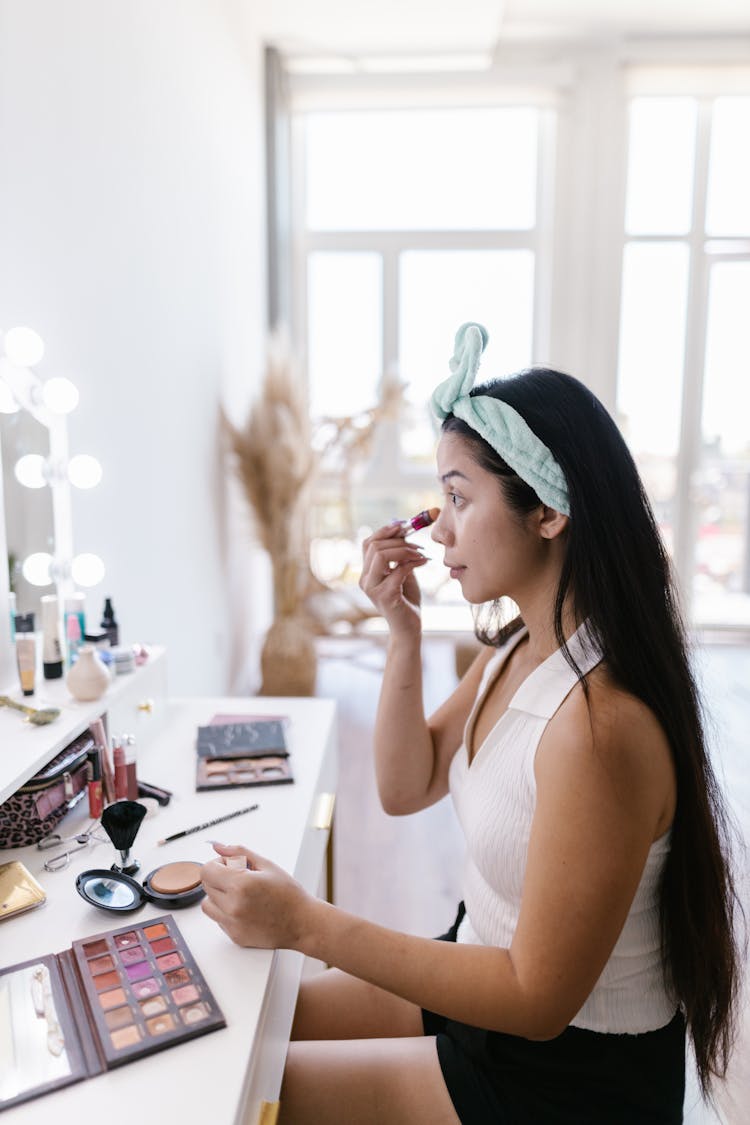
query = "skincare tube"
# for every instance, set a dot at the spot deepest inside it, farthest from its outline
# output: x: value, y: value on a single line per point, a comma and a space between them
x: 52, y: 658
x: 26, y: 651
x: 75, y: 624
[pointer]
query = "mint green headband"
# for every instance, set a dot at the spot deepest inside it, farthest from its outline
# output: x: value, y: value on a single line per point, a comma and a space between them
x: 499, y: 424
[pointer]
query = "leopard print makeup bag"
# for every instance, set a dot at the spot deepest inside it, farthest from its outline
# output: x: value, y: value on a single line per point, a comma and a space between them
x: 39, y: 805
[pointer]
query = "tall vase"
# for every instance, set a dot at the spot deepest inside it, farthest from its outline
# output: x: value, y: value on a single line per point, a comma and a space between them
x: 288, y: 659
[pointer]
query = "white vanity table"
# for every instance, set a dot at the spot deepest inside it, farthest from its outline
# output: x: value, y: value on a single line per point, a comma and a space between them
x: 228, y: 1076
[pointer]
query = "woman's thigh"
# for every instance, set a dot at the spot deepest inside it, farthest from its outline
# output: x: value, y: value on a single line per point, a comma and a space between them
x: 365, y: 1082
x: 334, y: 1005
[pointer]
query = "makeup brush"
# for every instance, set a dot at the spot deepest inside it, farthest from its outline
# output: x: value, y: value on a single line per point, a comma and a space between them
x: 121, y: 822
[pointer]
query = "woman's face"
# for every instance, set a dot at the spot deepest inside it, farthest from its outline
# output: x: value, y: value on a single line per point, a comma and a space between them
x: 491, y: 550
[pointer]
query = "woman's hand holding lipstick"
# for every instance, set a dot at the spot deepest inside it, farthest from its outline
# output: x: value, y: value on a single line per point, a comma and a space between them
x: 388, y: 569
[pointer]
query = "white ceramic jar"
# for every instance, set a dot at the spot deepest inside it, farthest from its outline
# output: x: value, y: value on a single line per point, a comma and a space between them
x: 89, y: 677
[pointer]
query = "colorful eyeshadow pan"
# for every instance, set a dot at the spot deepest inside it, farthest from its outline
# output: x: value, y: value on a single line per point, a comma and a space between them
x: 94, y: 948
x: 118, y: 1017
x: 163, y: 945
x: 126, y: 1037
x: 169, y: 961
x: 139, y: 971
x: 153, y: 1006
x: 144, y: 988
x: 195, y: 1013
x: 105, y: 981
x: 132, y: 956
x: 112, y: 999
x: 185, y: 995
x: 159, y: 1024
x: 157, y: 931
x: 124, y: 941
x: 177, y: 976
x: 101, y: 965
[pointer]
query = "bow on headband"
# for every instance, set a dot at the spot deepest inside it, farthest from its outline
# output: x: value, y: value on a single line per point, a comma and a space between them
x: 499, y: 424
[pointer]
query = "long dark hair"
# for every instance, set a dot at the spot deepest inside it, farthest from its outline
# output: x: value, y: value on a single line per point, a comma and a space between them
x: 616, y: 574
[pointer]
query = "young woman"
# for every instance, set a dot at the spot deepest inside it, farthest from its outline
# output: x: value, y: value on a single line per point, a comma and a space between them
x: 596, y: 926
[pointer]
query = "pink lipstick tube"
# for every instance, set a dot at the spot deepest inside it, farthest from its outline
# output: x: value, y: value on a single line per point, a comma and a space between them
x: 422, y: 519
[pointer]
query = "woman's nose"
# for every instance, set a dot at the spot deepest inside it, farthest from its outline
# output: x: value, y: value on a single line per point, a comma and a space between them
x: 439, y: 531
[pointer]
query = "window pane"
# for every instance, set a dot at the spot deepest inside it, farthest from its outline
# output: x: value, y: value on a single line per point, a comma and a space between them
x: 422, y: 169
x: 728, y: 203
x: 661, y: 153
x: 649, y: 381
x: 439, y: 291
x: 344, y: 332
x: 722, y: 486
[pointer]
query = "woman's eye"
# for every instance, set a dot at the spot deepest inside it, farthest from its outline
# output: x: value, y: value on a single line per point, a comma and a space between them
x: 455, y: 499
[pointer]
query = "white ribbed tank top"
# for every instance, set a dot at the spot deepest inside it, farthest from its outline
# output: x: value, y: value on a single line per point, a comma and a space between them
x: 495, y: 798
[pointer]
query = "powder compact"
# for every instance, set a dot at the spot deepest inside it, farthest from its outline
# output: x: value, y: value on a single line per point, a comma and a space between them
x: 109, y: 999
x: 172, y: 885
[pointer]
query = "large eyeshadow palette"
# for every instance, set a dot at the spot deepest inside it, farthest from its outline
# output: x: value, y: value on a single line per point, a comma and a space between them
x: 111, y: 998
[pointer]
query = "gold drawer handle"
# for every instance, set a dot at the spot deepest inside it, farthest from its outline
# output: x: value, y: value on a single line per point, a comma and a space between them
x: 268, y: 1113
x: 146, y: 705
x: 323, y: 815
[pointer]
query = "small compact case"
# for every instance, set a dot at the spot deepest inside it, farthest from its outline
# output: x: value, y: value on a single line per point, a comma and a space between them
x: 35, y: 810
x: 19, y: 890
x: 111, y: 998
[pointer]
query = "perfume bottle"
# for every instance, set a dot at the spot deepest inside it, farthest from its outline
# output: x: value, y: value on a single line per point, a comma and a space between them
x: 109, y: 624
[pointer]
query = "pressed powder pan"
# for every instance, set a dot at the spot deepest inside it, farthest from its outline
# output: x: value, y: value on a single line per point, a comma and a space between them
x: 173, y: 885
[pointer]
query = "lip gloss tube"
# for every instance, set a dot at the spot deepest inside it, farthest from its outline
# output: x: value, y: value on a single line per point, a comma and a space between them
x: 96, y: 803
x: 422, y: 519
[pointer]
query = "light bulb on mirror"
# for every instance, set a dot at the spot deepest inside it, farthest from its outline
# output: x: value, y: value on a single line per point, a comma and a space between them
x: 84, y: 471
x: 87, y: 570
x: 31, y: 470
x: 23, y: 346
x: 60, y: 395
x: 37, y: 569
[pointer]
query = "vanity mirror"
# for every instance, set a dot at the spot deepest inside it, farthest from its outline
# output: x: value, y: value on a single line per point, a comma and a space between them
x: 36, y: 533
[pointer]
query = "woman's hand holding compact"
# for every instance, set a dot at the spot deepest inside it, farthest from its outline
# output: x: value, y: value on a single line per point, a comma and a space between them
x: 259, y: 905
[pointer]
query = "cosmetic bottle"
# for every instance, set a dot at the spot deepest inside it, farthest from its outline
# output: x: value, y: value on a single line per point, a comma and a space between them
x: 52, y: 653
x: 96, y: 801
x: 121, y: 777
x: 130, y: 767
x: 26, y: 651
x: 75, y: 624
x: 109, y: 624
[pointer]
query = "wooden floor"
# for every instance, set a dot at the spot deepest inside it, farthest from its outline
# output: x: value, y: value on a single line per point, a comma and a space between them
x: 404, y: 872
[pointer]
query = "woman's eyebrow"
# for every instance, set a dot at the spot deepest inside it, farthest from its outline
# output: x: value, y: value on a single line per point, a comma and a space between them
x: 452, y: 473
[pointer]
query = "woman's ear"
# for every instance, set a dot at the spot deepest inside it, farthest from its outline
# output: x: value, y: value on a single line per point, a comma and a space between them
x: 552, y: 523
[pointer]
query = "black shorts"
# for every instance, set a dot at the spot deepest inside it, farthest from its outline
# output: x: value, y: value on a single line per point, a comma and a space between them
x: 579, y: 1078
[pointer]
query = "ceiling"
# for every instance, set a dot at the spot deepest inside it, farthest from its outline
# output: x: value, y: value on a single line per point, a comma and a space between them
x: 357, y: 27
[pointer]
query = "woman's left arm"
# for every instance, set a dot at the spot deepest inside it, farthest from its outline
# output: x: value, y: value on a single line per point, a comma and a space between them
x: 594, y: 822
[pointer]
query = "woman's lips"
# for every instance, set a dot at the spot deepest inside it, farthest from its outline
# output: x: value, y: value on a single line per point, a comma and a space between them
x: 456, y: 571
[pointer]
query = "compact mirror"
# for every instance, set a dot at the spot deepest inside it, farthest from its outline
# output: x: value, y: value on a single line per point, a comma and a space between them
x: 110, y: 890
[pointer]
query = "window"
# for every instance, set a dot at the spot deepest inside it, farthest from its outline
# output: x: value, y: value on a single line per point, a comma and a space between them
x: 411, y: 222
x: 683, y: 394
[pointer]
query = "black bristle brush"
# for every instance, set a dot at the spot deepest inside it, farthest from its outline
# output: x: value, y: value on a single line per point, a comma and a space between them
x: 121, y: 822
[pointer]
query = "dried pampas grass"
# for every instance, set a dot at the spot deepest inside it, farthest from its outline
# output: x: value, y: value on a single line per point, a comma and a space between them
x: 275, y: 464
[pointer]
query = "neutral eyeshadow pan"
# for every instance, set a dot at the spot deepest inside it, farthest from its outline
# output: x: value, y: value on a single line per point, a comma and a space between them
x: 163, y: 945
x: 112, y: 999
x: 153, y: 1006
x: 105, y: 981
x: 177, y: 976
x: 126, y: 1037
x: 118, y: 1017
x: 159, y: 1024
x: 159, y: 930
x: 185, y: 995
x: 95, y: 947
x: 101, y: 965
x: 195, y: 1012
x: 169, y: 961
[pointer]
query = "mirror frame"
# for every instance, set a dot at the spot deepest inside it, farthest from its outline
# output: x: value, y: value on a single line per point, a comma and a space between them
x: 27, y: 387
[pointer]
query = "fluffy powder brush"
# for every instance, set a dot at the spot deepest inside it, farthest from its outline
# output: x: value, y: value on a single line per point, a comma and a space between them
x: 121, y: 822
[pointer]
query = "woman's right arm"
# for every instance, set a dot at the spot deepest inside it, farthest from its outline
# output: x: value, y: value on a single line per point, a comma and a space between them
x: 412, y: 754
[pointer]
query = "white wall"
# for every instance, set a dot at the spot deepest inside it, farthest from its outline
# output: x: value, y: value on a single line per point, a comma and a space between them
x: 131, y: 227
